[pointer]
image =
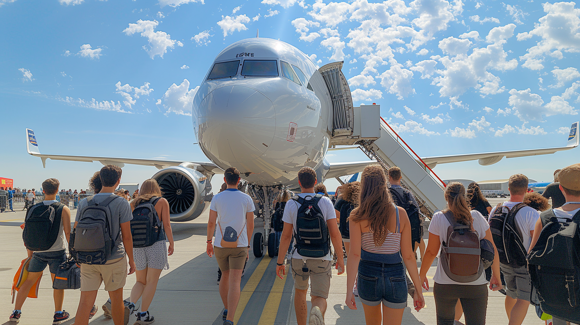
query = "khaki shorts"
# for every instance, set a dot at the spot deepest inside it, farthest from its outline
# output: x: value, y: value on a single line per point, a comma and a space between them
x: 231, y: 258
x: 319, y: 272
x: 518, y: 284
x: 114, y: 274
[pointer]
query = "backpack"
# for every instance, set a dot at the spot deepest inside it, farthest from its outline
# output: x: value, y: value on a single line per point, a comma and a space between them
x: 344, y: 225
x: 507, y: 236
x: 461, y: 253
x: 91, y: 241
x: 312, y: 239
x: 42, y: 226
x: 406, y: 202
x: 277, y: 223
x: 554, y: 266
x: 146, y: 228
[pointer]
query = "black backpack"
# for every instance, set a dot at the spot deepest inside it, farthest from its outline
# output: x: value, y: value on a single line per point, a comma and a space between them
x: 344, y: 225
x: 406, y: 202
x: 146, y: 228
x: 507, y: 236
x: 311, y: 233
x: 277, y: 223
x: 91, y: 240
x: 42, y: 226
x: 554, y: 266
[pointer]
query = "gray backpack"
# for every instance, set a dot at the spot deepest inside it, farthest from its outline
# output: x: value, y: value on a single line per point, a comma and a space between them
x: 91, y: 240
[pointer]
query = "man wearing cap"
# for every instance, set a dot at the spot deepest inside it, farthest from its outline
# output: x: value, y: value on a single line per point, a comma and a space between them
x: 570, y: 187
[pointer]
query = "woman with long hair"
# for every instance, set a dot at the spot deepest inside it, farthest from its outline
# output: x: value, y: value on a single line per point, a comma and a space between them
x: 380, y: 242
x: 473, y: 295
x: 321, y: 189
x: 477, y: 200
x: 347, y: 201
x: 151, y: 260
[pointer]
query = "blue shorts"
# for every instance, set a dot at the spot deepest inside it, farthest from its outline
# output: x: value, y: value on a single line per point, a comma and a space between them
x: 39, y: 261
x: 384, y: 283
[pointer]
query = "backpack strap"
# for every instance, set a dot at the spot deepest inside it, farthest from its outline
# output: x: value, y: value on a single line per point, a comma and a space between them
x: 107, y: 201
x: 398, y: 229
x: 456, y: 226
x: 548, y: 216
x: 400, y: 199
x: 58, y: 211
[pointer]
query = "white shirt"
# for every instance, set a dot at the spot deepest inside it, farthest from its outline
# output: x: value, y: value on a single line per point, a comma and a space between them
x: 439, y: 225
x: 525, y: 220
x: 30, y: 196
x: 565, y: 215
x: 231, y: 207
x: 291, y: 212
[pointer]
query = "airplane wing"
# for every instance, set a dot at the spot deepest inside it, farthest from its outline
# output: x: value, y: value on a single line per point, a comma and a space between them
x: 491, y: 158
x: 349, y: 168
x: 32, y: 148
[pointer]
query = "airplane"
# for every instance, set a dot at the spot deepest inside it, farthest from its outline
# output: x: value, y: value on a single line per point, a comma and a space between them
x: 265, y: 108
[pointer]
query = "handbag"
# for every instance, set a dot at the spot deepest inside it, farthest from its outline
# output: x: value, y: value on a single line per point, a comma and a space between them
x: 68, y: 276
x: 230, y: 237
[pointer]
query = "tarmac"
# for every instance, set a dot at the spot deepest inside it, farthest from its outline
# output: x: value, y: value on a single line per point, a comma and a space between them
x: 188, y: 293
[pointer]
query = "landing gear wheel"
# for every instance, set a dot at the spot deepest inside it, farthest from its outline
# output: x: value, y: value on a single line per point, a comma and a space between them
x: 258, y: 245
x: 272, y: 249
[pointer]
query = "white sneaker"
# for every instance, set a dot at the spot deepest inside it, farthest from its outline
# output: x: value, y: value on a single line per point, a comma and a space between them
x: 316, y: 316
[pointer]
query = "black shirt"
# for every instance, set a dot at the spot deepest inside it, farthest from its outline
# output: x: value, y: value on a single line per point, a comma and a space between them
x: 344, y: 207
x: 553, y: 191
x: 482, y: 206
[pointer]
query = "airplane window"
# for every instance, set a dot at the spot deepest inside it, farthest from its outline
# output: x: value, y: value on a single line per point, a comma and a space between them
x: 309, y: 87
x: 300, y: 74
x: 224, y: 70
x: 257, y: 68
x: 288, y: 73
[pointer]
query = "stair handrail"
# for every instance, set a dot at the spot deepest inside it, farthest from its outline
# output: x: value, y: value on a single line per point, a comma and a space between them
x: 413, y: 151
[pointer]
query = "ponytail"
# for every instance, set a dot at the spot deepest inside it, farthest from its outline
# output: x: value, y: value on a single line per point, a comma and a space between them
x: 457, y: 204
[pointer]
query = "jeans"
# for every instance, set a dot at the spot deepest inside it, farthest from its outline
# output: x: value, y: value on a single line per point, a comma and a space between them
x: 10, y: 202
x: 379, y: 282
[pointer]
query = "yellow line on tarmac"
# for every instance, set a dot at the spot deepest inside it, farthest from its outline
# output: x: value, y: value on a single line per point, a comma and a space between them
x: 11, y: 220
x: 273, y: 303
x: 250, y: 287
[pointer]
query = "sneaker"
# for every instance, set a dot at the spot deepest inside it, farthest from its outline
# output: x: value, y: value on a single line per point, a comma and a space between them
x: 15, y: 317
x: 225, y: 314
x: 144, y: 319
x: 219, y: 276
x: 228, y: 322
x: 129, y: 310
x: 60, y: 317
x: 316, y: 316
x: 107, y: 309
x: 93, y: 311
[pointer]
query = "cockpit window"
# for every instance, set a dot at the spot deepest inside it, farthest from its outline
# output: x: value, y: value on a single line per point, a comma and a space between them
x: 300, y: 74
x: 260, y: 68
x: 287, y: 72
x: 224, y: 70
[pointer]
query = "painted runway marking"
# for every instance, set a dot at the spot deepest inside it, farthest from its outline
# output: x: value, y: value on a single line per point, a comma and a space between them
x: 250, y: 287
x: 273, y: 303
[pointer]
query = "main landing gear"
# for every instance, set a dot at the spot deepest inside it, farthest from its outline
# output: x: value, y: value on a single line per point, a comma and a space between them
x: 265, y: 239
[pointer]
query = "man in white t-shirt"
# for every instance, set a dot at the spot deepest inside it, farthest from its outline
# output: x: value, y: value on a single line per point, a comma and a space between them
x: 317, y: 270
x: 518, y: 284
x: 233, y: 212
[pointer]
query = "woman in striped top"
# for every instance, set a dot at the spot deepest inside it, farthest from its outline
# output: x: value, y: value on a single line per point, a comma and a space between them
x: 380, y: 242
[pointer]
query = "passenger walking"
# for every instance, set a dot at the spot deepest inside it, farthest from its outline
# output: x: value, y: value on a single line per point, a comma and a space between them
x: 233, y: 211
x: 464, y: 279
x: 150, y: 250
x: 553, y: 192
x: 477, y: 200
x: 311, y: 256
x: 109, y: 267
x: 347, y: 201
x: 277, y: 223
x: 46, y: 234
x: 380, y: 234
x: 76, y: 199
x: 10, y: 198
x: 321, y: 189
x: 515, y: 245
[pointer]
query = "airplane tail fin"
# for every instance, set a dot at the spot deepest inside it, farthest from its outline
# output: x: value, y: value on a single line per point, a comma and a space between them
x: 31, y: 144
x: 573, y: 138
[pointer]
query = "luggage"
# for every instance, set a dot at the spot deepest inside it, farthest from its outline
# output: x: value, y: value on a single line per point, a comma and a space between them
x: 91, y: 241
x: 311, y: 233
x: 146, y: 227
x: 277, y: 223
x: 554, y: 266
x: 507, y: 236
x: 68, y: 276
x: 42, y: 226
x: 406, y: 202
x: 461, y: 253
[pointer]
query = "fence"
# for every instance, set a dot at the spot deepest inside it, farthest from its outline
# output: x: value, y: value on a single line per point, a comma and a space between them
x: 67, y: 199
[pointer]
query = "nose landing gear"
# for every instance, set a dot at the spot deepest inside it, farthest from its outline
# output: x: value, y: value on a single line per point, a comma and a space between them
x: 266, y: 239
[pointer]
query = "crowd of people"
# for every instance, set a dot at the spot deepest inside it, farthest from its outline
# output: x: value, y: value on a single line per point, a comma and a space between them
x: 376, y: 225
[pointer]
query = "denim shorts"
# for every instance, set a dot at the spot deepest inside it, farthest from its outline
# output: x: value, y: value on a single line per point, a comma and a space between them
x: 384, y: 283
x: 39, y: 261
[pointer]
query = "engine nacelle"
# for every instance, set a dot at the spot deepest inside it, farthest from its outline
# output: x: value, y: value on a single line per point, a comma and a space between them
x: 186, y: 190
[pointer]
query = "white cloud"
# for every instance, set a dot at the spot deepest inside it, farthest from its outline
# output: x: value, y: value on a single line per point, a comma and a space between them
x: 426, y: 68
x: 361, y: 80
x: 179, y: 99
x: 488, y: 109
x: 303, y: 27
x: 572, y: 92
x: 409, y: 111
x: 366, y: 95
x: 231, y: 24
x: 565, y: 75
x: 88, y: 52
x: 517, y: 14
x: 3, y: 2
x: 528, y: 106
x: 67, y: 53
x: 559, y: 30
x: 454, y: 46
x: 159, y: 41
x: 398, y: 115
x: 126, y: 90
x: 26, y: 74
x: 397, y: 81
x: 480, y: 124
x: 236, y: 9
x: 271, y: 13
x: 432, y: 120
x: 177, y: 3
x: 160, y: 15
x: 413, y: 127
x: 352, y: 61
x: 257, y: 17
x: 500, y: 34
x: 433, y: 16
x: 202, y: 38
x: 473, y: 34
x: 505, y: 130
x: 423, y: 52
x: 283, y: 3
x: 505, y: 112
x: 462, y: 133
x: 334, y: 43
x: 563, y: 130
x: 94, y: 104
x: 184, y: 67
x: 71, y: 2
x: 484, y: 20
x: 532, y: 130
x: 558, y: 105
x: 437, y: 106
x: 331, y: 14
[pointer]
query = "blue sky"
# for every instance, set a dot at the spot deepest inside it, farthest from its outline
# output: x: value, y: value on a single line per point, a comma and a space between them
x: 117, y: 78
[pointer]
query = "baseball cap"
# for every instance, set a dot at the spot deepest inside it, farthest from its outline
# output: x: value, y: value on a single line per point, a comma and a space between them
x: 570, y: 177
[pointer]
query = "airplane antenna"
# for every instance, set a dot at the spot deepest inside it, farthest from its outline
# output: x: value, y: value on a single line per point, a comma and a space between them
x: 258, y: 33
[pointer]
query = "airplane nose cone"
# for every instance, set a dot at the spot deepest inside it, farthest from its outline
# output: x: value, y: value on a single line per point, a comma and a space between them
x: 236, y: 125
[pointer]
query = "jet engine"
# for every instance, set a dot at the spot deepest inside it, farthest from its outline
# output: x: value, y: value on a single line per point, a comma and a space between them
x: 187, y: 191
